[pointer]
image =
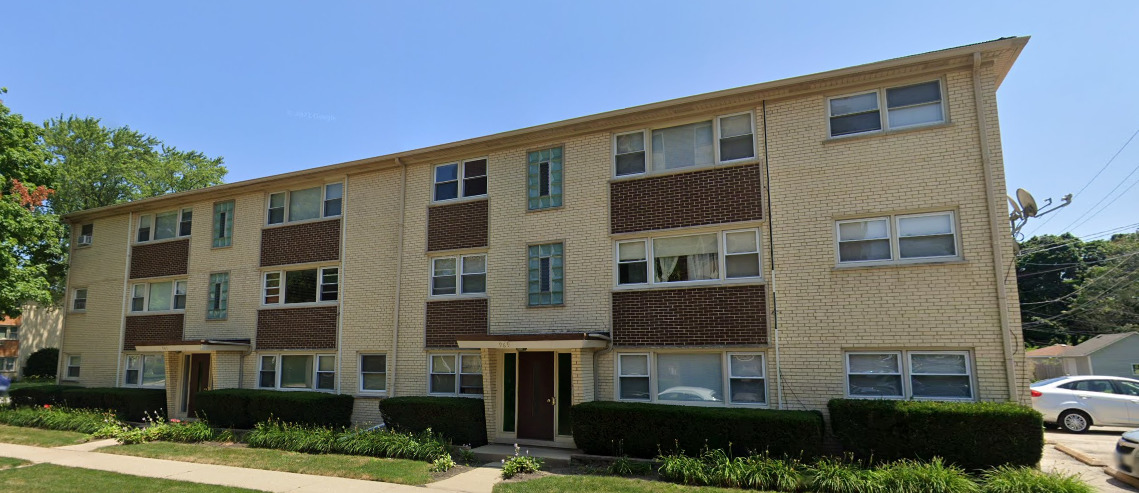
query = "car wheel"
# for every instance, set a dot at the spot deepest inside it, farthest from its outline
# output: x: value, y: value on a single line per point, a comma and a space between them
x: 1075, y: 421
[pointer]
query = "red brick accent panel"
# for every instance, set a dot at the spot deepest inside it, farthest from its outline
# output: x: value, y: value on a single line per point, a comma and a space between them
x: 152, y: 329
x: 449, y: 319
x: 297, y: 328
x: 299, y: 243
x: 168, y: 258
x: 712, y: 316
x: 461, y: 225
x: 9, y: 348
x: 713, y: 196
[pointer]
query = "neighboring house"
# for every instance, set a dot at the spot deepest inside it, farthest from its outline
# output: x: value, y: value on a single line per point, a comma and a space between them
x: 1105, y: 354
x: 769, y: 246
x: 9, y: 346
x: 36, y: 328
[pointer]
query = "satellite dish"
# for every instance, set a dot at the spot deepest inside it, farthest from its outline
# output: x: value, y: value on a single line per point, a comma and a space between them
x: 1027, y: 203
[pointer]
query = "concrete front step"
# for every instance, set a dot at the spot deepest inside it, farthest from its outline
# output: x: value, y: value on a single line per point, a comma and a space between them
x: 496, y: 452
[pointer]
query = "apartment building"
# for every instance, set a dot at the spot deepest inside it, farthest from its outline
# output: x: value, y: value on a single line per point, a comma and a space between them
x: 769, y: 246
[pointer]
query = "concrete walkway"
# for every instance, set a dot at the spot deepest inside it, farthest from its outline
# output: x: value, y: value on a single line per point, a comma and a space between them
x: 478, y: 480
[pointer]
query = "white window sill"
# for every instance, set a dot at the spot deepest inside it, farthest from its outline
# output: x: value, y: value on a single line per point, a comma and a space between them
x: 371, y: 394
x: 899, y: 263
x: 463, y: 296
x: 294, y: 223
x: 164, y: 240
x: 459, y: 200
x: 688, y: 169
x: 284, y: 389
x: 469, y: 396
x: 884, y: 132
x: 155, y: 312
x: 743, y: 281
x: 285, y: 306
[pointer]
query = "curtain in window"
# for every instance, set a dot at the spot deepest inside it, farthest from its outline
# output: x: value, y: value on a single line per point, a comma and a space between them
x: 304, y: 204
x: 296, y: 372
x: 698, y: 253
x: 160, y: 296
x: 165, y: 225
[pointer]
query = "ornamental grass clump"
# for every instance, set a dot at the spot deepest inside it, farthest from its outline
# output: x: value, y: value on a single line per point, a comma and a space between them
x: 715, y: 467
x: 935, y: 476
x: 1007, y: 479
x: 157, y: 429
x: 51, y: 417
x: 832, y: 475
x: 279, y: 435
x: 425, y: 446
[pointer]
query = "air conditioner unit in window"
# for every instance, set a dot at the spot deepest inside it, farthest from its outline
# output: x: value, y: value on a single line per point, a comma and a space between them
x: 84, y: 239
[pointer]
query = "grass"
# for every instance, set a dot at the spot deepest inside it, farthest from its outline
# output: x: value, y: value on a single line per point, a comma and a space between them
x: 601, y: 483
x: 8, y: 463
x: 52, y: 478
x: 39, y: 438
x: 345, y: 466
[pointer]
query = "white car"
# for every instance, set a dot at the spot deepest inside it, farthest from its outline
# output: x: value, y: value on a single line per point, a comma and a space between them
x: 1079, y: 402
x: 1127, y: 453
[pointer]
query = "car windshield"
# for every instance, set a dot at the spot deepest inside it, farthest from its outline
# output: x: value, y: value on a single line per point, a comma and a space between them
x: 1046, y: 381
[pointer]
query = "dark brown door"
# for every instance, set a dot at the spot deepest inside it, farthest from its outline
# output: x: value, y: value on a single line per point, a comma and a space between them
x: 536, y: 402
x: 199, y: 378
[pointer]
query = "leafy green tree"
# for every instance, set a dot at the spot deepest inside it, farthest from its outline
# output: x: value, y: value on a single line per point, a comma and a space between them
x: 21, y: 156
x: 1108, y: 297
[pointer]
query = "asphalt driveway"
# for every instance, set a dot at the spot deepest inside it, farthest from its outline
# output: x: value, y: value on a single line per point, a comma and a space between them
x: 1097, y: 445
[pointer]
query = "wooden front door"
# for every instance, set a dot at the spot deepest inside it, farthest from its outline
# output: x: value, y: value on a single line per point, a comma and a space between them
x: 199, y: 379
x: 536, y: 403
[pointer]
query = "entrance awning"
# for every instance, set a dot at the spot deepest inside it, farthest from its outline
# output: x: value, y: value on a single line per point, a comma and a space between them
x: 220, y: 345
x: 560, y: 340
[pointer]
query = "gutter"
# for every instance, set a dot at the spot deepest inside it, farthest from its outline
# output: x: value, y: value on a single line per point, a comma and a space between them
x: 994, y: 230
x: 398, y: 273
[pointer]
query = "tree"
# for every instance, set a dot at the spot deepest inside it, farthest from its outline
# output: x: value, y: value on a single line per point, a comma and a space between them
x: 1108, y: 298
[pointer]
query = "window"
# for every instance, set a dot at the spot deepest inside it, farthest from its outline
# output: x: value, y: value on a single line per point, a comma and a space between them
x: 1127, y: 388
x: 218, y: 305
x: 1135, y: 369
x: 79, y: 300
x: 692, y: 378
x: 373, y: 373
x: 689, y: 258
x: 725, y: 139
x: 306, y: 204
x: 145, y: 370
x: 456, y: 374
x: 465, y: 274
x: 545, y: 274
x: 8, y: 364
x: 166, y: 225
x: 544, y: 179
x: 158, y: 296
x: 298, y: 372
x: 450, y: 185
x: 9, y: 333
x: 85, y: 234
x: 223, y: 224
x: 906, y: 106
x: 940, y: 375
x: 907, y: 238
x: 302, y: 286
x: 73, y: 363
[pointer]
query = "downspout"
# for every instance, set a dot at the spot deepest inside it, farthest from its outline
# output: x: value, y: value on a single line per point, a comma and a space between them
x: 67, y: 300
x: 398, y: 272
x: 771, y: 260
x: 994, y: 231
x: 126, y: 299
x: 341, y: 281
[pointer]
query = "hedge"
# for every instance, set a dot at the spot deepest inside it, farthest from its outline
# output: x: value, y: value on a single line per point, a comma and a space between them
x: 461, y: 419
x: 242, y: 408
x: 644, y: 430
x: 42, y: 363
x: 972, y: 435
x: 128, y: 404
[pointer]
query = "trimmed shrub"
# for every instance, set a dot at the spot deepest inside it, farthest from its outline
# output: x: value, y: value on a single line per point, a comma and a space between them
x: 644, y: 430
x: 972, y: 435
x: 43, y: 363
x: 242, y: 408
x: 460, y: 419
x: 127, y: 404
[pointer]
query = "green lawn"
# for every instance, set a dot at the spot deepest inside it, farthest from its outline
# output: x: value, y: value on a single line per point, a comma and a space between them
x: 40, y: 438
x: 568, y: 484
x: 344, y: 466
x: 49, y: 477
x: 8, y: 462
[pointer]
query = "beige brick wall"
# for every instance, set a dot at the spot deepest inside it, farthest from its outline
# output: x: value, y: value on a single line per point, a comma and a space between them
x: 40, y: 327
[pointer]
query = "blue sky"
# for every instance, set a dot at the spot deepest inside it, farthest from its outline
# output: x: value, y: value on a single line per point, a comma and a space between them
x: 280, y: 86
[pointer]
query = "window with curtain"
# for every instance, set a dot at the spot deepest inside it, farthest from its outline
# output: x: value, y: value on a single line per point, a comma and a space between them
x: 874, y: 374
x: 633, y: 377
x: 158, y: 296
x: 940, y: 375
x: 686, y: 258
x: 223, y: 224
x: 545, y: 286
x: 304, y: 204
x: 690, y: 258
x: 683, y: 146
x: 218, y: 306
x: 864, y: 240
x: 296, y: 372
x: 544, y: 178
x: 906, y: 106
x: 904, y: 238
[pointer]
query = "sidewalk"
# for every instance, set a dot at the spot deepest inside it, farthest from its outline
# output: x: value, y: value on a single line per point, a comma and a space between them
x: 478, y: 480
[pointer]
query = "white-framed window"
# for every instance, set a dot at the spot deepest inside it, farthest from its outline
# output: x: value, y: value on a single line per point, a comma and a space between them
x: 306, y: 203
x: 456, y: 374
x: 689, y: 258
x: 297, y: 371
x: 695, y: 378
x: 164, y: 225
x: 72, y: 366
x: 910, y: 105
x: 723, y: 139
x: 900, y: 238
x: 916, y: 374
x: 158, y: 296
x: 79, y: 300
x: 315, y: 285
x: 10, y: 333
x: 86, y: 234
x: 145, y: 370
x: 373, y: 373
x: 460, y: 179
x: 8, y: 364
x: 462, y: 274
